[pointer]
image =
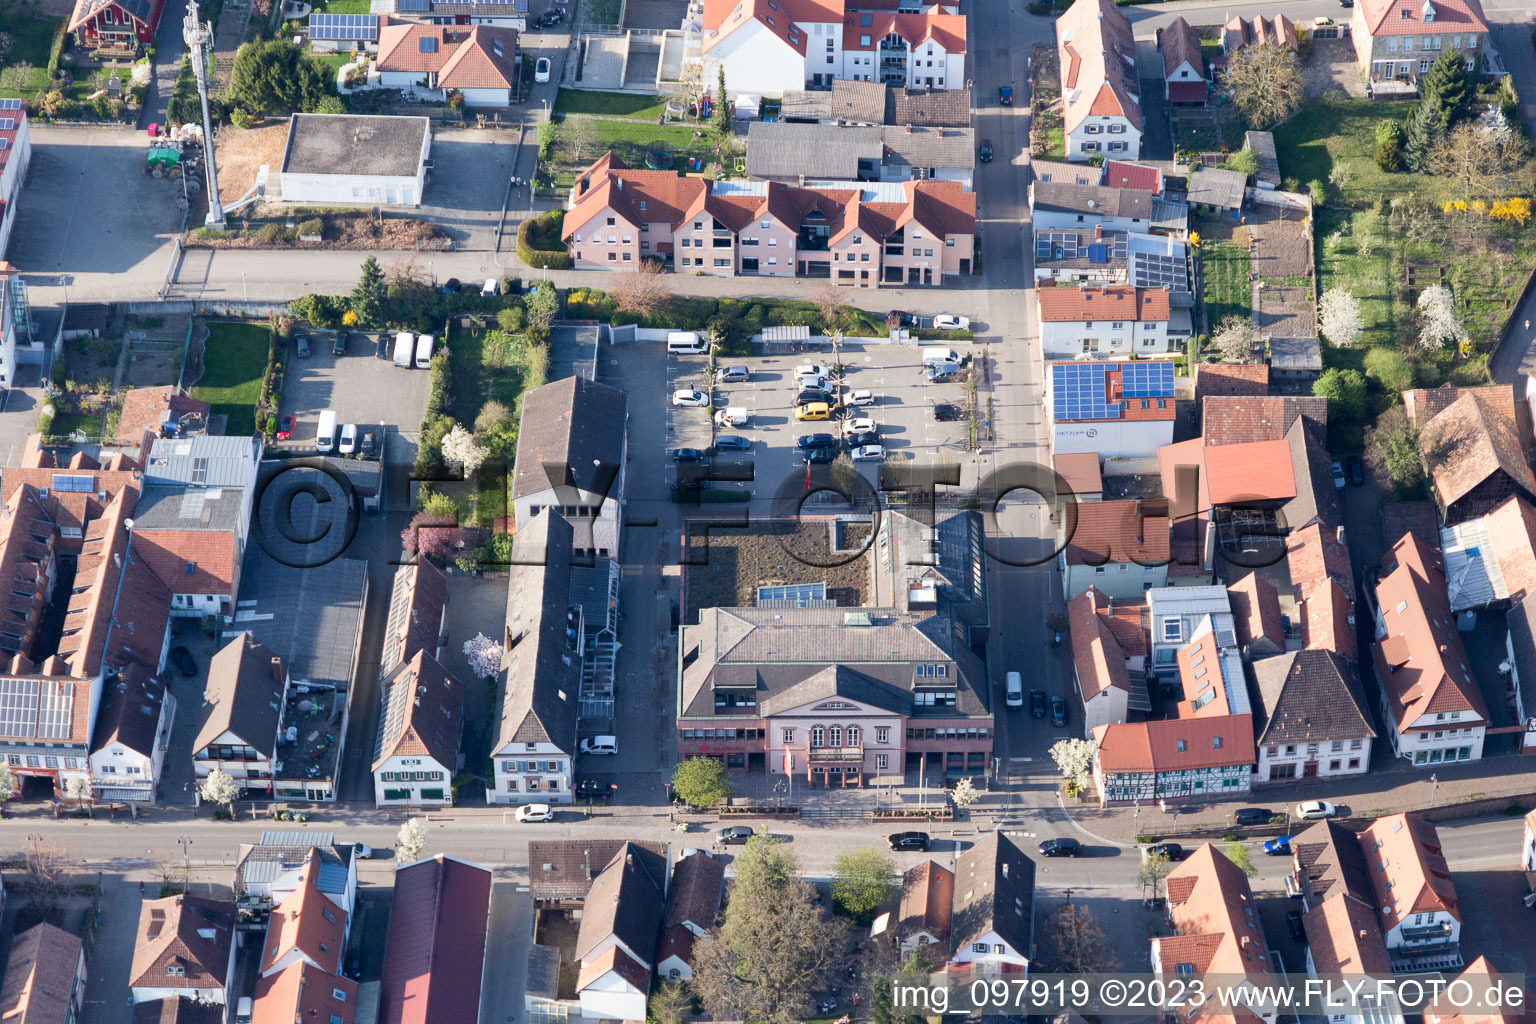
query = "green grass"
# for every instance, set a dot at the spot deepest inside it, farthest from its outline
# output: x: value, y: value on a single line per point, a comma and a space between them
x: 630, y: 140
x: 333, y: 62
x: 1328, y: 132
x: 66, y: 423
x: 604, y: 12
x: 1055, y: 143
x: 341, y: 6
x: 31, y: 39
x: 234, y: 359
x: 1227, y: 291
x: 611, y: 104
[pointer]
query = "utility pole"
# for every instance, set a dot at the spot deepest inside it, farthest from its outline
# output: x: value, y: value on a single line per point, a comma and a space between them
x: 198, y: 35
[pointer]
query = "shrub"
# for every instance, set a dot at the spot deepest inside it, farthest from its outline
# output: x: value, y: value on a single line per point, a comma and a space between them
x: 239, y: 118
x: 1318, y: 190
x: 539, y: 244
x: 510, y: 286
x: 272, y: 233
x: 314, y: 226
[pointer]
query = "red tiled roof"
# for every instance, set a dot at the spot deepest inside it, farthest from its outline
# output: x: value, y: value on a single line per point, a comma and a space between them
x: 1219, y: 905
x: 40, y: 976
x: 193, y: 934
x: 1323, y: 582
x: 1119, y: 174
x: 1406, y: 17
x: 308, y: 922
x: 1097, y: 50
x: 463, y: 56
x: 1102, y: 302
x: 1256, y: 613
x: 1096, y: 652
x: 927, y: 903
x: 1240, y: 379
x: 1472, y: 435
x: 1080, y: 470
x: 1154, y: 746
x: 1512, y: 530
x: 722, y: 17
x: 1132, y: 530
x: 1257, y: 471
x: 617, y: 961
x: 1409, y: 871
x: 435, y: 953
x: 948, y: 30
x: 1229, y: 419
x: 1344, y: 937
x: 303, y: 993
x: 1188, y: 92
x: 1180, y: 46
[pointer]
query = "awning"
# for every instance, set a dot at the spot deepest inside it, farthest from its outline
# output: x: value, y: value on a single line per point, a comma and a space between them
x: 125, y: 794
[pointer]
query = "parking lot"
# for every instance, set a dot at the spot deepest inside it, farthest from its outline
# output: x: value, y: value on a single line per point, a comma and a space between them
x: 360, y: 387
x: 903, y: 410
x: 470, y: 170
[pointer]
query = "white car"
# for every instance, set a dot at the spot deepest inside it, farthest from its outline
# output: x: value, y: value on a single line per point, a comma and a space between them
x: 857, y: 426
x: 811, y: 370
x: 1312, y: 810
x: 858, y: 398
x: 689, y: 851
x: 541, y: 70
x: 535, y: 812
x: 1338, y: 474
x: 950, y: 322
x: 869, y: 453
x: 690, y: 398
x: 348, y: 444
x: 363, y: 851
x: 600, y: 745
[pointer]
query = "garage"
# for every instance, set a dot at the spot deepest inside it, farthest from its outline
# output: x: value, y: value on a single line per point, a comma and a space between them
x: 355, y: 159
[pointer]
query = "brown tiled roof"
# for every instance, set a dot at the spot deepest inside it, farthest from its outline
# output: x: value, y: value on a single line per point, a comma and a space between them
x: 1066, y: 173
x: 1234, y: 379
x: 1097, y: 50
x: 193, y: 934
x: 131, y: 701
x: 464, y: 57
x: 1080, y: 470
x: 243, y: 695
x: 1180, y: 45
x: 1219, y: 906
x: 1309, y: 696
x: 1481, y: 975
x: 1317, y: 499
x: 1229, y: 419
x: 302, y: 993
x: 615, y: 960
x: 1130, y: 530
x: 1470, y: 439
x: 1344, y: 937
x: 184, y: 1011
x: 927, y: 903
x: 994, y: 892
x: 27, y: 538
x: 1256, y: 613
x: 676, y: 941
x: 435, y: 953
x: 626, y: 903
x: 40, y: 976
x: 1096, y: 653
x: 214, y: 555
x: 1406, y: 17
x: 1089, y: 303
x: 1414, y: 877
x: 563, y: 869
x: 1512, y: 530
x: 1332, y: 861
x: 1323, y: 582
x: 423, y: 713
x: 697, y: 882
x: 1154, y: 746
x: 307, y: 922
x: 939, y: 108
x: 858, y: 101
x: 147, y: 408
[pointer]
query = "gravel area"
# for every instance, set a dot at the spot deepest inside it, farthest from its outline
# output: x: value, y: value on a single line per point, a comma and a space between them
x: 725, y: 564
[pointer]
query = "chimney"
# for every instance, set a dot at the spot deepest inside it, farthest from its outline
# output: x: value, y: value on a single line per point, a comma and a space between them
x: 277, y: 669
x: 1098, y: 231
x: 629, y: 860
x: 1338, y: 534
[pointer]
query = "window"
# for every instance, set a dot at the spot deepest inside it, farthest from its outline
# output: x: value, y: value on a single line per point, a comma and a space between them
x: 1423, y: 66
x: 853, y: 735
x: 1090, y: 147
x: 1173, y: 630
x: 1117, y: 147
x: 818, y: 736
x: 835, y: 736
x: 789, y: 736
x: 1117, y: 129
x: 882, y: 762
x: 190, y: 569
x: 1181, y: 746
x: 882, y: 734
x: 328, y: 914
x: 1093, y: 129
x: 864, y: 41
x: 980, y: 947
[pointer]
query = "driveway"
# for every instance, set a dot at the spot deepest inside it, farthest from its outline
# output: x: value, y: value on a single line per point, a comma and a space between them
x: 470, y: 169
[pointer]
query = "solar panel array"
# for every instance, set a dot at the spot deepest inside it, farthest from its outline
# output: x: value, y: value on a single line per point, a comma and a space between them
x: 351, y: 28
x: 1072, y: 245
x: 1078, y: 389
x: 1157, y: 270
x: 12, y: 104
x: 413, y: 5
x: 41, y: 709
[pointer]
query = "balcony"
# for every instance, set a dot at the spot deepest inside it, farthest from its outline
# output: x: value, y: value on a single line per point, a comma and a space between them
x: 809, y: 242
x: 836, y: 755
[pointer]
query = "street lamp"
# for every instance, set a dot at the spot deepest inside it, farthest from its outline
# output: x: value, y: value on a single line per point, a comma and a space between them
x: 185, y: 842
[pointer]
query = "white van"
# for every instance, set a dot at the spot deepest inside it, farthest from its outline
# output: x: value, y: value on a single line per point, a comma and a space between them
x: 325, y: 437
x: 424, y: 343
x: 405, y: 346
x: 686, y: 342
x: 243, y: 1013
x: 732, y: 416
x: 1015, y: 690
x: 940, y: 355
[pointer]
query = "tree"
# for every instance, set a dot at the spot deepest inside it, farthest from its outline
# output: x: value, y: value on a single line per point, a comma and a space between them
x: 1265, y: 83
x: 492, y: 417
x: 722, y: 116
x: 1426, y: 127
x: 1237, y: 853
x: 274, y: 76
x: 78, y: 789
x: 184, y: 106
x: 1338, y: 314
x: 1435, y: 314
x: 47, y: 875
x: 411, y: 842
x: 911, y: 974
x: 483, y: 655
x: 1448, y: 86
x: 1345, y: 391
x: 1244, y: 160
x: 17, y: 76
x: 775, y: 948
x: 1388, y: 368
x: 1392, y: 449
x: 1078, y: 941
x: 964, y: 793
x: 368, y: 291
x: 1074, y: 758
x: 829, y: 303
x: 220, y: 788
x: 432, y: 536
x: 542, y: 304
x: 459, y: 448
x: 1471, y: 161
x: 701, y: 782
x: 1154, y: 868
x: 510, y: 319
x: 862, y: 882
x: 7, y: 782
x: 1235, y: 337
x: 1389, y: 146
x: 578, y: 135
x: 641, y: 291
x: 670, y: 1003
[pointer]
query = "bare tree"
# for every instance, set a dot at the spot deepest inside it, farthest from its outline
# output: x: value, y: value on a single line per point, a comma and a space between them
x: 579, y: 134
x: 829, y: 303
x: 1236, y: 339
x: 1265, y: 83
x: 1477, y: 160
x: 642, y: 290
x: 172, y: 876
x: 670, y: 1003
x: 47, y: 875
x: 1153, y: 870
x: 1078, y: 940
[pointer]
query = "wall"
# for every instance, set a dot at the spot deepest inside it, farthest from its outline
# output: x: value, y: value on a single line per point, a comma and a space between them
x: 756, y: 62
x: 509, y: 780
x: 353, y: 189
x: 440, y: 788
x: 1111, y: 439
x: 1324, y: 757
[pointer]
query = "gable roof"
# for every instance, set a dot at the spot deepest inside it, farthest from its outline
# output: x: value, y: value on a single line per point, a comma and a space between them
x: 416, y: 603
x: 1332, y: 862
x: 1088, y: 303
x: 1408, y: 17
x: 129, y: 714
x: 1096, y: 653
x: 192, y: 934
x: 936, y: 108
x: 1414, y: 877
x: 1468, y: 439
x: 462, y: 56
x: 1316, y: 499
x: 1098, y: 63
x: 994, y: 892
x: 784, y: 149
x: 1217, y: 186
x: 1123, y: 174
x: 698, y: 881
x: 722, y: 18
x: 303, y: 993
x: 1344, y: 937
x: 423, y: 713
x: 1256, y: 615
x: 1234, y: 419
x: 1210, y: 902
x: 1322, y: 580
x: 1068, y: 196
x: 435, y: 953
x: 1175, y: 744
x: 864, y: 102
x: 1180, y: 46
x: 563, y: 869
x: 186, y: 1011
x: 626, y: 902
x: 243, y: 695
x: 927, y: 903
x: 308, y: 922
x: 86, y: 10
x: 570, y: 432
x: 1132, y: 530
x: 1080, y: 471
x: 1309, y: 696
x: 39, y: 983
x: 538, y: 691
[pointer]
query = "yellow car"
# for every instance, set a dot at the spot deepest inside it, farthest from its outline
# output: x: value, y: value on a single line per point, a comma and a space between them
x: 812, y: 411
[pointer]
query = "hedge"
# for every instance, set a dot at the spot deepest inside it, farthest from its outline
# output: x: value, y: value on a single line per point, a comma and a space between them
x: 737, y: 320
x: 537, y: 238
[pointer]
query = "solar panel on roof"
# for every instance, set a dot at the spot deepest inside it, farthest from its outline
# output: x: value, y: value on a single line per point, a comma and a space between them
x: 413, y: 5
x: 344, y: 27
x: 1098, y: 253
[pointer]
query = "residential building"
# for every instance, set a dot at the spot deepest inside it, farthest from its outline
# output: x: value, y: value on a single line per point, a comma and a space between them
x: 268, y: 872
x: 1476, y: 462
x: 1092, y: 320
x: 1322, y: 586
x: 1258, y: 31
x: 927, y: 108
x: 1490, y: 561
x: 1256, y: 615
x: 382, y: 160
x: 571, y: 455
x: 416, y: 753
x: 1240, y: 419
x: 1216, y: 930
x: 241, y: 717
x: 1482, y: 978
x: 1059, y: 205
x: 1173, y: 615
x: 304, y: 992
x: 1520, y: 657
x: 796, y: 153
x: 835, y: 696
x: 160, y: 412
x: 1344, y: 937
x: 181, y: 1011
x: 1125, y: 174
x: 115, y: 28
x: 1081, y: 475
x: 852, y: 102
x: 44, y: 981
x: 1119, y: 548
x: 534, y: 749
x: 1234, y: 379
x: 1312, y: 719
x: 131, y: 735
x: 693, y: 904
x: 1109, y: 657
x: 1420, y: 913
x: 418, y: 615
x: 15, y: 158
x: 427, y: 62
x: 1396, y: 41
x: 992, y: 921
x: 1428, y: 691
x: 926, y: 911
x: 933, y: 559
x: 616, y: 942
x: 561, y: 871
x: 1183, y: 66
x: 1099, y: 87
x: 1061, y: 172
x: 1109, y: 409
x: 306, y: 927
x: 434, y: 956
x: 184, y: 948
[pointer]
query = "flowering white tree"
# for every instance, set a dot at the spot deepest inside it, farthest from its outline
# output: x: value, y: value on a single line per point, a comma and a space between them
x: 411, y: 842
x: 1437, y: 319
x: 459, y: 446
x: 1075, y: 759
x: 6, y: 782
x: 1338, y: 314
x: 219, y: 788
x: 78, y: 789
x: 964, y: 794
x: 484, y: 655
x: 1235, y: 338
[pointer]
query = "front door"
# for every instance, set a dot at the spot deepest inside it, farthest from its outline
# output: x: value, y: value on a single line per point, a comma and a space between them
x: 1309, y: 770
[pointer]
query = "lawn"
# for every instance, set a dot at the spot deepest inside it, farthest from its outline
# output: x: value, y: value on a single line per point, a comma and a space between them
x: 341, y: 6
x: 487, y: 365
x: 31, y: 39
x: 610, y: 104
x: 630, y: 141
x: 234, y: 359
x: 604, y: 12
x: 333, y: 62
x: 1224, y: 266
x: 66, y: 423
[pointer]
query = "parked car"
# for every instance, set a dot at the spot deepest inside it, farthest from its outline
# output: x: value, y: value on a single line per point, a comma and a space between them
x: 1063, y: 846
x: 951, y: 322
x: 943, y: 373
x: 1172, y: 851
x: 594, y: 789
x: 1294, y: 925
x: 1037, y: 703
x: 1346, y: 3
x: 348, y: 445
x: 1315, y: 810
x: 809, y: 395
x: 862, y: 438
x: 541, y: 70
x: 384, y: 346
x: 600, y: 745
x: 1005, y: 95
x: 285, y: 428
x: 363, y: 851
x: 1338, y: 474
x: 805, y: 370
x: 908, y: 841
x: 859, y: 425
x: 985, y: 152
x: 339, y: 344
x: 868, y: 453
x: 946, y: 413
x: 182, y: 659
x: 1356, y: 466
x: 535, y: 812
x: 301, y: 345
x: 687, y: 455
x: 859, y: 398
x: 691, y: 399
x: 734, y: 375
x: 903, y: 318
x: 816, y: 441
x: 368, y: 444
x: 819, y: 456
x: 812, y: 411
x: 732, y: 443
x: 1058, y: 711
x: 1280, y: 846
x: 1252, y: 815
x: 734, y: 835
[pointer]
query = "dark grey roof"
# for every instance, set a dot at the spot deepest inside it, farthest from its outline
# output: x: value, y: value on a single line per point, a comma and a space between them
x: 1332, y: 858
x: 944, y: 148
x: 1168, y: 215
x: 994, y: 891
x: 243, y: 695
x: 487, y: 10
x: 811, y: 104
x: 943, y: 553
x: 571, y: 433
x: 863, y: 102
x: 1217, y: 186
x: 1521, y: 621
x: 790, y: 151
x: 543, y: 978
x: 207, y: 460
x: 86, y: 316
x: 311, y: 617
x: 563, y: 869
x: 592, y: 589
x: 1296, y: 354
x: 356, y: 144
x: 1098, y: 200
x: 129, y: 714
x: 364, y: 474
x: 1263, y: 146
x: 189, y: 507
x: 1317, y: 500
x: 697, y: 883
x: 943, y: 108
x: 541, y: 684
x: 626, y: 901
x: 839, y: 681
x: 1308, y: 696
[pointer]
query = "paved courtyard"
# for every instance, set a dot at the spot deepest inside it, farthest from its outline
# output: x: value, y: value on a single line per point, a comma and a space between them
x: 360, y: 387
